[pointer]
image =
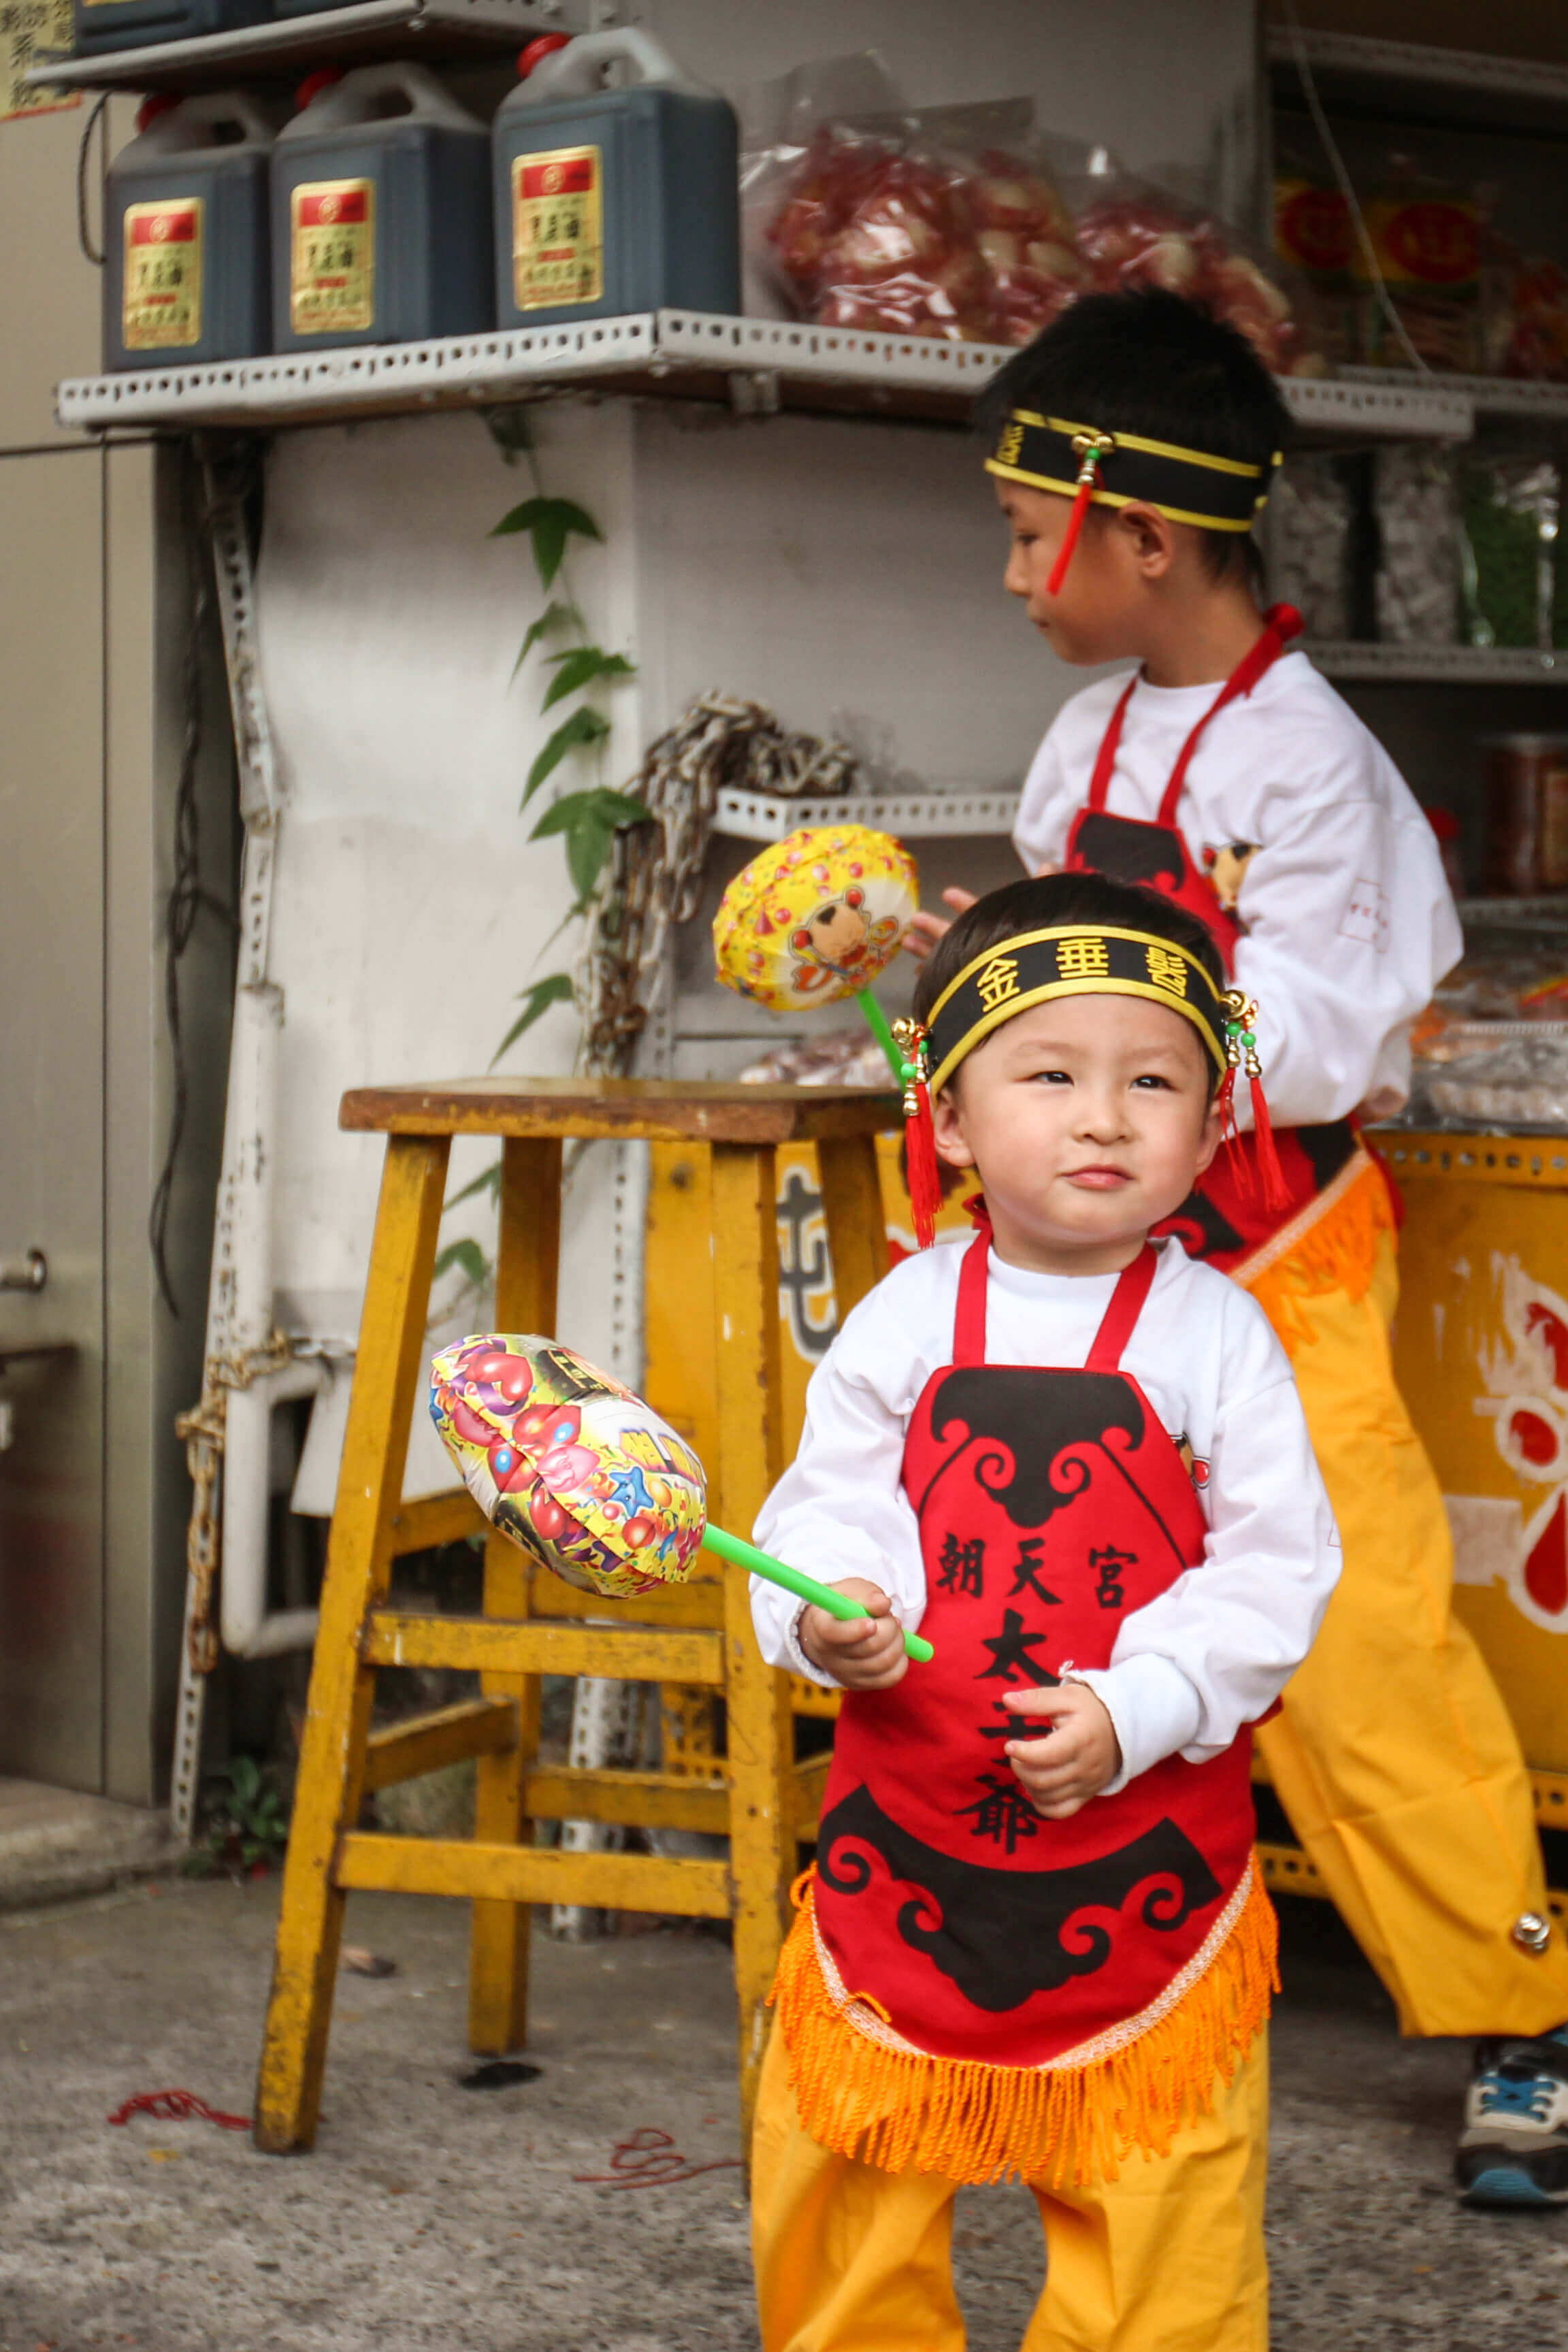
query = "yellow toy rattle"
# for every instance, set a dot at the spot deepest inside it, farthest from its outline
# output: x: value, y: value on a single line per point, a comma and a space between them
x: 815, y: 919
x: 586, y: 1478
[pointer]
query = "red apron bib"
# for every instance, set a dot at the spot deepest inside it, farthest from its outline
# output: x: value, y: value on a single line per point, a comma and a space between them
x: 1223, y: 1220
x: 1050, y: 1503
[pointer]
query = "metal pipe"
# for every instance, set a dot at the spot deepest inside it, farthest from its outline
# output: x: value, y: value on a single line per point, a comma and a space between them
x: 249, y: 1631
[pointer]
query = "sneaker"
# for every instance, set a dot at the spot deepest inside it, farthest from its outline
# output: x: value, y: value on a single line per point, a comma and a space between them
x: 1514, y: 2149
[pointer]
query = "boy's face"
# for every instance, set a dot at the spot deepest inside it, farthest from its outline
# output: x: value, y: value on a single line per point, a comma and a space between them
x: 1102, y: 613
x: 1087, y: 1119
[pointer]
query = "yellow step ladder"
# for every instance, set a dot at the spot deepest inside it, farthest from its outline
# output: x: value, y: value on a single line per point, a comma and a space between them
x: 698, y: 1635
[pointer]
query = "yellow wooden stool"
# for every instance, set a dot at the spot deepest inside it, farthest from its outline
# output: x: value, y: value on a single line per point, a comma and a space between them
x: 697, y: 1635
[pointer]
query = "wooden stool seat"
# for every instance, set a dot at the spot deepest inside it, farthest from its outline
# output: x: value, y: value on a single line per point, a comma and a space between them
x: 697, y: 1636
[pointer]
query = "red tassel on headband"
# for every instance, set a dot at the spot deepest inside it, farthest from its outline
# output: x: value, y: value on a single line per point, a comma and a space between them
x: 1241, y: 1055
x: 1089, y: 448
x: 921, y: 1171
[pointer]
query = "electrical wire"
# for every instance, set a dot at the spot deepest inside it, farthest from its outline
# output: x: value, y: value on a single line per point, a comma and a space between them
x: 84, y: 235
x: 1347, y: 187
x: 187, y: 897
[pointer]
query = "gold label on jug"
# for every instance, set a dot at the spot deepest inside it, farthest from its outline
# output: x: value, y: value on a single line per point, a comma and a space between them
x: 557, y: 228
x: 332, y: 257
x: 162, y: 306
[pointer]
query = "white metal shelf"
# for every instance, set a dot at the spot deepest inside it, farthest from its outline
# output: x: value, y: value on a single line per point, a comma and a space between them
x: 1443, y: 664
x: 758, y: 365
x: 752, y: 817
x: 1460, y: 71
x: 1489, y: 395
x: 358, y: 34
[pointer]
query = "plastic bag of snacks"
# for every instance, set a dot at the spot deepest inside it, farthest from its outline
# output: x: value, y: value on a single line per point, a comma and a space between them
x: 1315, y: 241
x: 951, y: 222
x: 945, y: 223
x: 1418, y: 546
x: 1311, y: 521
x: 1512, y: 591
x: 1527, y: 321
x: 1134, y: 233
x: 1426, y: 232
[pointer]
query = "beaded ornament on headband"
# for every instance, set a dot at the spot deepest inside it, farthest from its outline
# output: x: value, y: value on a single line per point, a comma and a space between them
x: 1079, y: 960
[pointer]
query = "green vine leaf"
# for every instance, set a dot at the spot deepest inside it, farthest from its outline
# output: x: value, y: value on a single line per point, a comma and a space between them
x: 581, y: 667
x: 554, y: 616
x: 588, y: 821
x: 555, y: 989
x: 550, y: 522
x: 466, y: 1256
x: 585, y: 726
x: 487, y: 1180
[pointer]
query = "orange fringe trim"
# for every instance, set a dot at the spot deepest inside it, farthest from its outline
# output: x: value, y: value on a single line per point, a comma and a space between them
x: 902, y: 2109
x: 1331, y: 1245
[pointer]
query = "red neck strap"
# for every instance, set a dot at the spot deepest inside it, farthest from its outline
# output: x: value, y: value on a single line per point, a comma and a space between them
x: 1280, y: 623
x: 1116, y: 1326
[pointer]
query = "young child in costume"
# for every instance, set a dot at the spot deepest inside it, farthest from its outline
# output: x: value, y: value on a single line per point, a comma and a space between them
x: 1035, y: 1942
x: 1226, y: 772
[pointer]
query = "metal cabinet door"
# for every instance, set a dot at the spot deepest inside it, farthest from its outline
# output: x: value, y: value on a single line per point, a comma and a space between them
x: 51, y: 1114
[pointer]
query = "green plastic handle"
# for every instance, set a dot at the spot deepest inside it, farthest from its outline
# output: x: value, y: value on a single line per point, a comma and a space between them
x: 877, y: 1022
x: 806, y: 1588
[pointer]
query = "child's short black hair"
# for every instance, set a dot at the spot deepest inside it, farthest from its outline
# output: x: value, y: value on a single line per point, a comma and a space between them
x: 1052, y: 899
x: 1151, y: 363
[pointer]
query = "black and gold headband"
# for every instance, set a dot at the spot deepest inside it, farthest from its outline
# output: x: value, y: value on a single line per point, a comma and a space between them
x: 1123, y: 470
x: 1076, y: 959
x: 1081, y: 960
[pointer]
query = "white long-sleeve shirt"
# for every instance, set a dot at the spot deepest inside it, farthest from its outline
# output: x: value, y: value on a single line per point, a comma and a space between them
x: 1216, y: 1649
x: 1349, y: 921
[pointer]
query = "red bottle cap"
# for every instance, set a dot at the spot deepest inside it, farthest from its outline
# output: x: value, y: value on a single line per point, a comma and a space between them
x: 151, y: 107
x: 314, y: 85
x: 537, y: 49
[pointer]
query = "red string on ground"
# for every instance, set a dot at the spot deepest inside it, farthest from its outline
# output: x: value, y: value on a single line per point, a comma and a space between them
x: 178, y: 2107
x: 648, y: 2160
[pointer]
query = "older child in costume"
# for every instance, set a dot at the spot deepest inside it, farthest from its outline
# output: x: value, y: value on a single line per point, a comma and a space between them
x: 1226, y: 772
x: 1035, y: 1942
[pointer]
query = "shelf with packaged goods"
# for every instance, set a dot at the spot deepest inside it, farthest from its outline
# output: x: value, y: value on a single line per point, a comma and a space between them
x: 934, y: 816
x: 1418, y: 75
x: 435, y: 32
x: 756, y: 365
x: 1443, y: 664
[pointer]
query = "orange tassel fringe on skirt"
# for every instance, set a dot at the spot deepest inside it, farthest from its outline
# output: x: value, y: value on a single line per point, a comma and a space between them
x: 864, y: 2092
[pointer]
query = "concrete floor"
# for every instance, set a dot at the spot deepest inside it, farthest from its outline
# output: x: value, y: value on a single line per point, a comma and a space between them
x: 436, y: 2216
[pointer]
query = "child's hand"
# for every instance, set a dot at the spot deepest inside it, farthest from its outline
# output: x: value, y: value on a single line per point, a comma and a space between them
x: 863, y: 1653
x: 1080, y: 1755
x: 926, y: 929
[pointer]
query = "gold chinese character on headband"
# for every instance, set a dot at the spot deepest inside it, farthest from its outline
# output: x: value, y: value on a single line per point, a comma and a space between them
x: 1010, y: 445
x: 1168, y: 969
x: 998, y: 983
x: 1082, y: 958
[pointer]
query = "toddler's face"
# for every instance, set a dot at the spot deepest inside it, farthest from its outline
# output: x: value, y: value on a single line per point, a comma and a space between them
x: 1088, y: 1120
x: 1099, y: 613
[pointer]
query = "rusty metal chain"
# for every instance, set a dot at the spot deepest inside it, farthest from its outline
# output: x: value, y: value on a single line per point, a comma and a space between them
x: 653, y: 877
x: 201, y: 1431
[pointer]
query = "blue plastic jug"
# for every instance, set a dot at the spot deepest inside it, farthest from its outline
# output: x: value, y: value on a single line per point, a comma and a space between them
x: 610, y: 200
x: 186, y: 265
x: 380, y: 215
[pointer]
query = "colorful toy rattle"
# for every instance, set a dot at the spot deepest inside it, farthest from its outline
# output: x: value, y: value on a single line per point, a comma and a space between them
x: 815, y: 919
x: 583, y: 1476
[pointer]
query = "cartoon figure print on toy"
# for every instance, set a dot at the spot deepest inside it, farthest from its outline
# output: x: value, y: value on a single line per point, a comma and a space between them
x: 569, y: 1465
x: 815, y: 918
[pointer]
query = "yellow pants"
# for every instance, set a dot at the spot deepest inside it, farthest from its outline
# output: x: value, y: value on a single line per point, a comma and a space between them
x: 1395, y: 1757
x: 1168, y: 2258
